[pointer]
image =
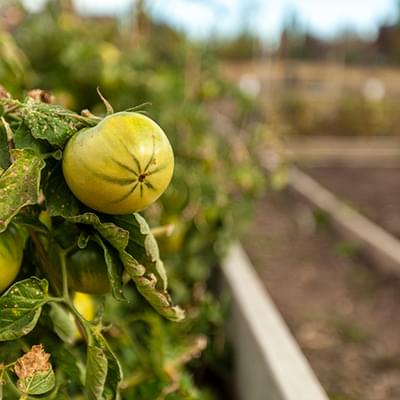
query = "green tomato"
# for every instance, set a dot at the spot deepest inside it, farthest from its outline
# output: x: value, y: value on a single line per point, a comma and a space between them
x: 87, y: 270
x: 121, y: 165
x: 12, y: 243
x: 173, y: 243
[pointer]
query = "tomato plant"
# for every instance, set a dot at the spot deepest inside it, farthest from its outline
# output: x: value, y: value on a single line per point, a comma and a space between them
x: 73, y: 247
x: 127, y: 347
x: 121, y: 165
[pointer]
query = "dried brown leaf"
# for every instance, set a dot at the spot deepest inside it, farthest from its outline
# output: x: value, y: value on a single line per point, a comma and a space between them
x: 36, y: 360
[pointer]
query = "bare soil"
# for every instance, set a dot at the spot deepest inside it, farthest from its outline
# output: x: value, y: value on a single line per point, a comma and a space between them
x: 343, y: 313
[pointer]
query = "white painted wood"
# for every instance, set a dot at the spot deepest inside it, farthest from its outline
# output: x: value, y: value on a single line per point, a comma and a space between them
x: 269, y: 363
x: 382, y: 246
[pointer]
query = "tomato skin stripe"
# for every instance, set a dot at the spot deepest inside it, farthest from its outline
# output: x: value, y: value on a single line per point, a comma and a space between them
x: 113, y: 179
x: 108, y: 178
x: 125, y: 196
x: 152, y: 155
x: 150, y: 186
x: 124, y: 166
x: 139, y: 167
x: 157, y: 169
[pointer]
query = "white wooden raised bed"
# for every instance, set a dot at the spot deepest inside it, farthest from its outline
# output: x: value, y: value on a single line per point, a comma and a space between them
x: 269, y: 364
x: 378, y: 244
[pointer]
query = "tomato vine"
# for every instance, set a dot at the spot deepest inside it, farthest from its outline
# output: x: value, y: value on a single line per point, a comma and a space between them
x: 33, y: 184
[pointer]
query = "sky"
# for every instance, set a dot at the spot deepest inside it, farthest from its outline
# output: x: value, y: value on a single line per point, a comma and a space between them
x: 202, y: 18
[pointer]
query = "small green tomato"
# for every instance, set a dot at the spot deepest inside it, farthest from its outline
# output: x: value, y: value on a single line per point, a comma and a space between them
x: 87, y: 270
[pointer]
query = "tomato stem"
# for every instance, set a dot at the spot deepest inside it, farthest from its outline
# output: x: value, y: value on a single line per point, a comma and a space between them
x: 4, y: 367
x: 80, y: 320
x: 65, y: 291
x: 57, y: 299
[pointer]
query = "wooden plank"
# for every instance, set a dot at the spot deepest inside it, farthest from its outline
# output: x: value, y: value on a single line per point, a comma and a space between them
x: 380, y: 245
x: 269, y: 363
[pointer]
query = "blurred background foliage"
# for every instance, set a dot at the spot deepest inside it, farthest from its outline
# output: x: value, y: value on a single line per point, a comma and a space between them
x: 344, y: 84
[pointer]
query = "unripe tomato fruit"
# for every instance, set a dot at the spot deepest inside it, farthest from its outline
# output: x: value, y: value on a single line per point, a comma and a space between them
x: 174, y: 242
x: 87, y: 270
x: 84, y: 303
x: 12, y: 242
x: 121, y: 165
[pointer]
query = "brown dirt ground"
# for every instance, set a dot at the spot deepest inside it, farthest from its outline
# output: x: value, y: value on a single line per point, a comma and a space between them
x: 344, y: 315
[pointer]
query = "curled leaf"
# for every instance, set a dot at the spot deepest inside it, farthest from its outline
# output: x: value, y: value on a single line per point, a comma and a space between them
x: 104, y: 372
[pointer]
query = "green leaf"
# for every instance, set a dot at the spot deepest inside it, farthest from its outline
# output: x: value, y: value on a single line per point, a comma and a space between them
x: 130, y: 235
x: 30, y: 222
x: 144, y: 246
x: 63, y: 323
x: 21, y: 306
x: 138, y: 251
x: 104, y: 372
x: 114, y: 377
x: 38, y: 383
x: 96, y: 372
x: 24, y: 140
x: 19, y: 184
x: 114, y: 269
x: 59, y: 199
x: 142, y: 252
x: 51, y: 122
x: 4, y: 154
